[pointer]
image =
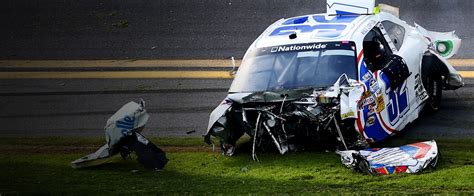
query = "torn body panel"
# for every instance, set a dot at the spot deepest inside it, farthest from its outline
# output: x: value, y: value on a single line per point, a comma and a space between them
x: 442, y: 46
x: 122, y: 134
x: 411, y: 158
x: 446, y: 44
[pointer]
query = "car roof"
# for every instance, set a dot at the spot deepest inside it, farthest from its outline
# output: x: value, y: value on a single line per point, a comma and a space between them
x: 316, y: 28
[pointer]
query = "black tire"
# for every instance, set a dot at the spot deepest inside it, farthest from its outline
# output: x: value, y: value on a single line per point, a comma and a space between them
x: 433, y: 84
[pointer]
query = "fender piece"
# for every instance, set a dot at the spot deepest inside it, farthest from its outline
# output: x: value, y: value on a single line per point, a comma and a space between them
x: 411, y: 158
x: 217, y: 118
x: 349, y: 102
x: 350, y: 96
x: 446, y: 44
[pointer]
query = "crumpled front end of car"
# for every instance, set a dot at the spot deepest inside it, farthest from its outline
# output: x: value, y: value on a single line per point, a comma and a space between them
x: 290, y: 120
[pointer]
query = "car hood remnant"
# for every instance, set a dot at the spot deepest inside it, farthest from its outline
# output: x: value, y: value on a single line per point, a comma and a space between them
x: 122, y: 134
x: 411, y: 158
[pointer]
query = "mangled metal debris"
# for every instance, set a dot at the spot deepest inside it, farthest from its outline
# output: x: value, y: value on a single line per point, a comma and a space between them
x: 290, y: 119
x: 411, y: 158
x: 122, y: 134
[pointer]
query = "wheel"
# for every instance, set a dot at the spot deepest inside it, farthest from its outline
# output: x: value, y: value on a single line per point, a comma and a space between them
x: 434, y: 85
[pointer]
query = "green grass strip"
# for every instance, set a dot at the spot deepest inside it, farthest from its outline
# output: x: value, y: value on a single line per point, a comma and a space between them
x: 30, y: 166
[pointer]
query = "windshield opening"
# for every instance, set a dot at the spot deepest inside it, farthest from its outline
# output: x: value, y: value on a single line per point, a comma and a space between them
x: 295, y: 66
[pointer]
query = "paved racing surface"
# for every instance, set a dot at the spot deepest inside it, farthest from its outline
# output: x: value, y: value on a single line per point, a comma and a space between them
x: 80, y: 107
x: 120, y: 29
x: 180, y: 29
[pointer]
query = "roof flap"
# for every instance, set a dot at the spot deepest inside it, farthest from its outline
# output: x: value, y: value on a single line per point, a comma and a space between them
x: 348, y: 7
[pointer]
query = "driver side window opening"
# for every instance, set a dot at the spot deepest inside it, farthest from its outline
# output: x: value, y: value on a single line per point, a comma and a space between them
x: 395, y: 32
x: 376, y: 50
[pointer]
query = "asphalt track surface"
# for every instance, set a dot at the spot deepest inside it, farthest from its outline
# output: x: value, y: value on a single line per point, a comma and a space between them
x: 152, y: 29
x: 180, y: 29
x: 80, y: 107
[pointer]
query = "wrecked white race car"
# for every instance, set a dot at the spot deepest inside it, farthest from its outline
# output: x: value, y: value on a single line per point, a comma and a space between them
x: 341, y: 80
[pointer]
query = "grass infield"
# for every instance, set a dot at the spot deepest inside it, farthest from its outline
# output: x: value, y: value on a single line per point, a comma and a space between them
x: 41, y: 166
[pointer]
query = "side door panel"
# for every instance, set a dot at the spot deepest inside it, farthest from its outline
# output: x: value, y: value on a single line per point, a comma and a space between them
x: 383, y: 110
x: 412, y: 52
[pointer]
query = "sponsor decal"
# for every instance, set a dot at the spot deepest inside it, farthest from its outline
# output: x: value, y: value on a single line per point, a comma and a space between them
x: 420, y: 92
x: 298, y: 47
x: 378, y: 92
x: 126, y: 125
x: 374, y: 86
x: 370, y: 121
x: 366, y: 76
x: 380, y: 103
x: 371, y: 108
x: 444, y: 48
x: 321, y: 30
x: 366, y: 102
x: 393, y: 156
x: 366, y: 94
x: 371, y: 111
